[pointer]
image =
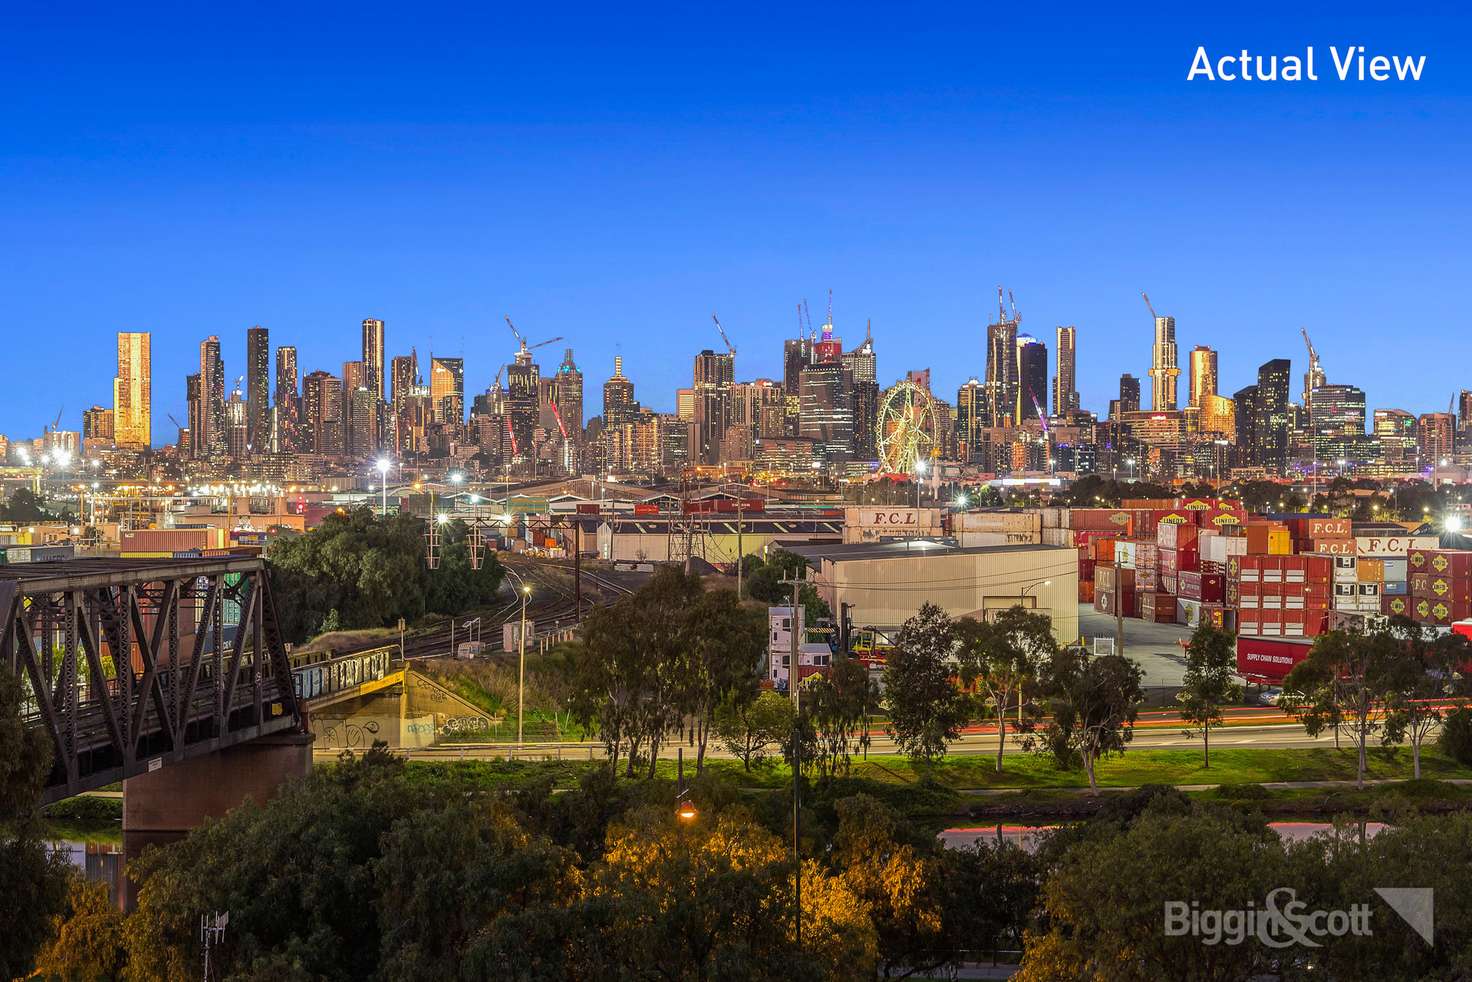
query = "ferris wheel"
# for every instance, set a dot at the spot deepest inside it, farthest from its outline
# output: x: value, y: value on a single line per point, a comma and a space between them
x: 906, y: 430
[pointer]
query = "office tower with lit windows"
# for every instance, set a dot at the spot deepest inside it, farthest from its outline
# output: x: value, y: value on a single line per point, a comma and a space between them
x: 97, y: 426
x: 257, y: 389
x: 213, y: 436
x: 1001, y: 368
x: 523, y: 399
x: 1203, y: 381
x: 1435, y: 438
x: 863, y: 367
x: 1164, y: 372
x: 1065, y: 382
x: 1395, y: 431
x: 1032, y: 379
x: 1267, y: 445
x: 195, y: 410
x: 132, y: 392
x: 685, y: 404
x: 567, y: 393
x: 447, y: 389
x: 322, y: 412
x: 360, y: 406
x: 712, y: 378
x: 619, y: 406
x: 1129, y: 394
x: 373, y: 356
x: 797, y: 354
x: 287, y: 412
x: 827, y: 416
x: 237, y: 426
x: 1337, y: 420
x: 403, y: 376
x: 973, y: 415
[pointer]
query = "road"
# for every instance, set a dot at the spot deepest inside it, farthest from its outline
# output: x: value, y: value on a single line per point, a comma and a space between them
x: 1156, y: 647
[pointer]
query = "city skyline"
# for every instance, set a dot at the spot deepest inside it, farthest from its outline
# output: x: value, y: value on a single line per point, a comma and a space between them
x: 241, y: 366
x: 647, y: 189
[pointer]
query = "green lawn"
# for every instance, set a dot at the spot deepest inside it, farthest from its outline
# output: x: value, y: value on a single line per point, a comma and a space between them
x: 1230, y: 765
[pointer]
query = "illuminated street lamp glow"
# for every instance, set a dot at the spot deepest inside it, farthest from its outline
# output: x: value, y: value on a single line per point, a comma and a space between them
x: 457, y: 478
x: 442, y: 518
x: 1453, y: 523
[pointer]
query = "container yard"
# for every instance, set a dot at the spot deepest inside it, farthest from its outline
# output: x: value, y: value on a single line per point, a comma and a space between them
x: 1278, y: 580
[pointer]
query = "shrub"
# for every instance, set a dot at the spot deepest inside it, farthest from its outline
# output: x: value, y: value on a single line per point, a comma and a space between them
x: 1456, y: 735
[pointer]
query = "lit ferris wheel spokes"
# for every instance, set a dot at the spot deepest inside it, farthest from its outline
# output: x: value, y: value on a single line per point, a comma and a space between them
x: 906, y: 428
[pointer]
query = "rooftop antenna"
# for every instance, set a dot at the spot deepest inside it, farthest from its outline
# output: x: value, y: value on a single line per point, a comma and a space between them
x: 1001, y: 306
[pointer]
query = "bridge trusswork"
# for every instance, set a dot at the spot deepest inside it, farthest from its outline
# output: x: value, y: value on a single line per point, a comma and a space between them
x: 131, y: 664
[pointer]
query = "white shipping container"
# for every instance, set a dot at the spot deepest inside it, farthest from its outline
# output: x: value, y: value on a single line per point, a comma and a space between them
x: 1000, y: 521
x: 1059, y: 537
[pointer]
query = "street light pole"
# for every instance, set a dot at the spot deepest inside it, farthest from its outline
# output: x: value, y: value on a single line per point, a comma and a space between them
x: 526, y: 592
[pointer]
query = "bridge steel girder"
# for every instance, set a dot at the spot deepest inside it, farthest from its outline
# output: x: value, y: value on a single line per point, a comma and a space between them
x: 129, y: 666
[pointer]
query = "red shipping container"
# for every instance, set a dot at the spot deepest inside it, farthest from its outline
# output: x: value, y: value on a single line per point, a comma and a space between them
x: 1397, y: 605
x: 1440, y: 611
x: 1445, y: 587
x: 1104, y: 550
x: 1115, y: 521
x: 1105, y: 602
x: 1157, y: 608
x: 1170, y: 583
x: 1268, y: 659
x: 1147, y: 579
x: 1207, y: 587
x: 1086, y: 569
x: 1085, y: 591
x: 1454, y: 562
x: 643, y: 508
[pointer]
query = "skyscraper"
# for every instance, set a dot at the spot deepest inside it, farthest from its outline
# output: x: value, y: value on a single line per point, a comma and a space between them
x: 827, y: 416
x: 1032, y: 378
x: 1001, y: 366
x: 797, y: 354
x: 567, y: 393
x: 214, y: 437
x: 972, y: 417
x: 713, y: 376
x: 373, y: 356
x: 322, y: 412
x: 1065, y: 383
x: 619, y: 406
x: 1337, y: 422
x: 1129, y: 393
x: 863, y: 368
x: 195, y: 403
x: 403, y: 376
x: 286, y: 419
x: 1435, y: 436
x: 523, y: 386
x: 1269, y: 447
x: 1164, y: 372
x: 258, y: 389
x: 447, y: 389
x: 1203, y: 375
x: 132, y: 392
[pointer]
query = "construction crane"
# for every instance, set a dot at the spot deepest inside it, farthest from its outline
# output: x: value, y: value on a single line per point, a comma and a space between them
x: 729, y: 346
x: 1016, y: 317
x: 175, y: 420
x: 808, y: 316
x: 55, y: 423
x: 1153, y: 315
x: 1314, y: 377
x: 522, y: 341
x: 1001, y: 306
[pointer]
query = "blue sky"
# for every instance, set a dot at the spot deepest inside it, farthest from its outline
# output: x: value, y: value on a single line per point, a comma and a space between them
x: 612, y: 174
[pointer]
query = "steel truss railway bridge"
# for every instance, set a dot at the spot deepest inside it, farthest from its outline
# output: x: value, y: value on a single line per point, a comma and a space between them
x: 141, y: 669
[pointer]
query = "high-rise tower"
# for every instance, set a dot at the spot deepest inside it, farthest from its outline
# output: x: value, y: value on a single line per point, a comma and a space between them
x: 258, y: 389
x: 1203, y: 375
x: 1164, y: 371
x: 1032, y: 379
x: 1001, y: 362
x: 373, y: 356
x: 1065, y: 383
x: 213, y: 437
x: 713, y: 376
x: 132, y: 392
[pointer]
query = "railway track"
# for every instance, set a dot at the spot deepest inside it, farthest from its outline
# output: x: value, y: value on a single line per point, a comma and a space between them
x: 553, y: 604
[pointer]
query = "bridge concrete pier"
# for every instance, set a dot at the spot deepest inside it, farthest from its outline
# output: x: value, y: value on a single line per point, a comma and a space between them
x: 162, y: 806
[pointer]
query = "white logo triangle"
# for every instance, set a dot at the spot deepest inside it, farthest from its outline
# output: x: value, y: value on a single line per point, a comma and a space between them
x: 1414, y: 905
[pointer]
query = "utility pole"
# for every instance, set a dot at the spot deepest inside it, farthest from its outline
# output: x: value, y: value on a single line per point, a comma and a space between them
x: 740, y: 556
x: 577, y: 568
x: 1118, y: 610
x: 793, y: 674
x: 526, y: 593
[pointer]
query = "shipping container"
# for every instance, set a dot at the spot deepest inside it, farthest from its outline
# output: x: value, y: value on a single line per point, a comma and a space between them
x: 1172, y: 535
x: 1268, y: 660
x: 1396, y: 605
x: 1453, y: 562
x: 1157, y: 608
x: 1207, y: 587
x: 1370, y: 570
x: 1442, y: 612
x: 646, y: 508
x: 1114, y: 521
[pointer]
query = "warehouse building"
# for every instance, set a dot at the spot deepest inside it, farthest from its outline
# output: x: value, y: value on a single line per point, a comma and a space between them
x: 886, y: 582
x: 714, y: 538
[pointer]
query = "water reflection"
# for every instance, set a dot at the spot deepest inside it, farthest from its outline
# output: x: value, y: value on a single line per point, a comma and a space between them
x: 97, y: 861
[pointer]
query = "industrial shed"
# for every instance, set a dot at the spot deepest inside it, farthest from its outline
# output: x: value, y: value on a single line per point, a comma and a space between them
x: 712, y: 537
x: 886, y: 582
